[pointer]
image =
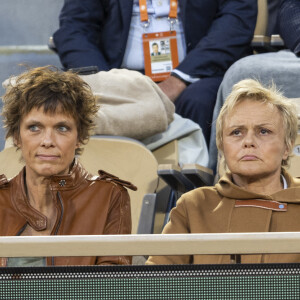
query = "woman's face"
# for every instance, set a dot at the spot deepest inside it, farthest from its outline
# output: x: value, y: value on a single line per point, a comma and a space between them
x: 253, y: 140
x: 48, y: 142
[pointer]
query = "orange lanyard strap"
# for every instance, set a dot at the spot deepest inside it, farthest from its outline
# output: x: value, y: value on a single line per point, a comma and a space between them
x: 144, y: 14
x: 143, y: 11
x: 173, y: 9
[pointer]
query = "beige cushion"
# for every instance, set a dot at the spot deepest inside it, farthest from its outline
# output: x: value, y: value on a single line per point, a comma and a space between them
x: 131, y: 104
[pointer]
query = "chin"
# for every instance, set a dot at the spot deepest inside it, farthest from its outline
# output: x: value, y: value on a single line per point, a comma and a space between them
x: 251, y: 174
x: 254, y: 173
x: 51, y: 172
x: 248, y: 171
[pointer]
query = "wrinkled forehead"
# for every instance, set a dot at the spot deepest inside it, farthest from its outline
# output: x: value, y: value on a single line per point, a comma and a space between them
x: 39, y: 112
x: 252, y: 112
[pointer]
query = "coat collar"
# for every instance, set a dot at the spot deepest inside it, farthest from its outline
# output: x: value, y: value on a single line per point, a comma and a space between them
x: 228, y: 189
x: 76, y: 176
x: 62, y: 182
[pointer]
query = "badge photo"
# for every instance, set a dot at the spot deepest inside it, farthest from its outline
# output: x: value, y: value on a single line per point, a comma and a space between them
x: 160, y: 54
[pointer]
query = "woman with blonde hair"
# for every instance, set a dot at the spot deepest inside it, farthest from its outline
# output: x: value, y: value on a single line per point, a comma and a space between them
x: 256, y: 132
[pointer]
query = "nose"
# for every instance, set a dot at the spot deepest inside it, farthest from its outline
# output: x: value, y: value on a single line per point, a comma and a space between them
x: 47, y: 139
x: 249, y: 140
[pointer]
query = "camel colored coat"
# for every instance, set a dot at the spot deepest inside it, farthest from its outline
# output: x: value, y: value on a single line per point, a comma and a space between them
x: 226, y: 207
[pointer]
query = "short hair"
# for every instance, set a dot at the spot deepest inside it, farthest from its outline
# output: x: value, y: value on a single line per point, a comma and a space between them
x: 250, y: 89
x: 49, y: 88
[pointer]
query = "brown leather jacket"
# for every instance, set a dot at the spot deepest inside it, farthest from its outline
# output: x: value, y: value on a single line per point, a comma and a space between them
x: 86, y: 205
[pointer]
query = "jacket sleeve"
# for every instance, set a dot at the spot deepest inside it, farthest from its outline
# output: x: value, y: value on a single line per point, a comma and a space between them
x: 78, y: 34
x: 227, y: 40
x: 289, y: 24
x: 178, y: 223
x: 118, y: 222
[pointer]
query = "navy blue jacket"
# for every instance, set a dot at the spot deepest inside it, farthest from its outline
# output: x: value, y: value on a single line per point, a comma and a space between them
x: 217, y: 32
x: 289, y: 24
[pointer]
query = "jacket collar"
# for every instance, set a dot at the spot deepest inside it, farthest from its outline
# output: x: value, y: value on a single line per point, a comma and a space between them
x: 62, y: 182
x: 228, y: 189
x: 69, y: 181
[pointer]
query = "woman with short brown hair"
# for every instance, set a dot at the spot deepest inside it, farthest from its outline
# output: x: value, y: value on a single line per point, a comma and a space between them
x: 50, y: 114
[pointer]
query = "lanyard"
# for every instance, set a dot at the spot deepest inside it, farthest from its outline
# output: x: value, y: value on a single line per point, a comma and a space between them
x: 144, y: 14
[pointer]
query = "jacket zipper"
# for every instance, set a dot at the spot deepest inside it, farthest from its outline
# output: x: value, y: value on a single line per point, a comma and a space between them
x: 59, y: 222
x: 21, y: 230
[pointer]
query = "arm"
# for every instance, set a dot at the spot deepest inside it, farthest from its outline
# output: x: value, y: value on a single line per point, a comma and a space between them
x: 178, y: 224
x: 227, y: 40
x: 172, y: 87
x: 78, y: 34
x: 289, y: 24
x: 118, y: 222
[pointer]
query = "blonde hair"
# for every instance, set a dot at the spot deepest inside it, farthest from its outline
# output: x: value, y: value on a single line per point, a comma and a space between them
x: 250, y: 89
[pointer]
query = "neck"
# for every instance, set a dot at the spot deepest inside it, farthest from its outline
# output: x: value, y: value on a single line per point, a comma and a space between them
x: 39, y: 194
x: 261, y: 185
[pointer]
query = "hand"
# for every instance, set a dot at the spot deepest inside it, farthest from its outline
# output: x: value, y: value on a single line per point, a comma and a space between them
x: 172, y: 87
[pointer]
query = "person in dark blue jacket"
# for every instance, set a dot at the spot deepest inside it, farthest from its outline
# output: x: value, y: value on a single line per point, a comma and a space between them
x: 212, y: 34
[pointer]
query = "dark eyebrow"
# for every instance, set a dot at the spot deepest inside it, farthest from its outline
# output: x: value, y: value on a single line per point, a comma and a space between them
x: 33, y: 121
x: 38, y: 123
x: 62, y: 123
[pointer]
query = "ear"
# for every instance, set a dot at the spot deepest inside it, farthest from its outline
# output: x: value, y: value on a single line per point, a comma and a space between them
x: 78, y: 144
x: 17, y: 140
x: 286, y: 153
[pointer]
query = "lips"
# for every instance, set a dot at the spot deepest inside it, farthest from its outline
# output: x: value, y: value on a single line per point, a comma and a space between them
x: 47, y: 156
x: 249, y: 157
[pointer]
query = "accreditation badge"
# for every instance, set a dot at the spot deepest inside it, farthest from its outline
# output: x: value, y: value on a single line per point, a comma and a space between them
x: 160, y: 54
